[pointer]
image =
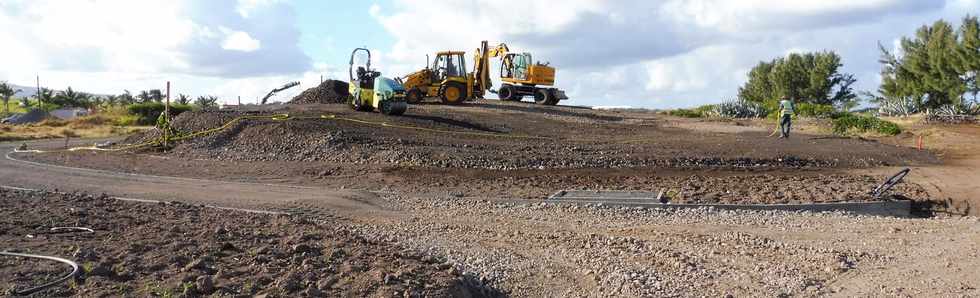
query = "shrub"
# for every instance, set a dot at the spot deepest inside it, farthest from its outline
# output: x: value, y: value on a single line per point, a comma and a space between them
x: 150, y: 111
x: 850, y: 123
x: 739, y: 109
x: 698, y: 112
x: 686, y: 113
x: 816, y: 110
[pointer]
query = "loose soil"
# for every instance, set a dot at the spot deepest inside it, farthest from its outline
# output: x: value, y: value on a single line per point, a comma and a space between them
x: 497, y: 149
x: 172, y: 249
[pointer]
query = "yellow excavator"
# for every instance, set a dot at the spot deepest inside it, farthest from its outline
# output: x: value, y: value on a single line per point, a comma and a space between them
x: 521, y: 75
x: 448, y: 80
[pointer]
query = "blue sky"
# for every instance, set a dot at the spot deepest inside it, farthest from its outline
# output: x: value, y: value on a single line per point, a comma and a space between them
x: 350, y: 25
x: 641, y: 53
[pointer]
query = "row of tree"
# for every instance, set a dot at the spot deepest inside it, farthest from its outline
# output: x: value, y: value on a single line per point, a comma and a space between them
x: 936, y: 68
x: 71, y: 98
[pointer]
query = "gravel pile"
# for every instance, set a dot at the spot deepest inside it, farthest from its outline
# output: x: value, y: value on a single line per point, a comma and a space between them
x: 176, y: 249
x: 330, y: 91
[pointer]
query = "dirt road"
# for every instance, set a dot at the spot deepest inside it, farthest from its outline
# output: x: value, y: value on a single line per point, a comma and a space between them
x: 571, y: 251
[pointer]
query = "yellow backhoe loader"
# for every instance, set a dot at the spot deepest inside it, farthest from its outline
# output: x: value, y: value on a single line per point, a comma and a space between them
x: 446, y: 78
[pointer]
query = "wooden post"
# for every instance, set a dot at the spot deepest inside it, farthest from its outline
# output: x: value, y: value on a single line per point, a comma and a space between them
x: 166, y: 118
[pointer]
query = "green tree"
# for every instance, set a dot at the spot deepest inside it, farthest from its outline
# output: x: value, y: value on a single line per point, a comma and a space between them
x: 206, y: 102
x: 144, y: 97
x: 46, y: 96
x: 6, y: 91
x: 71, y: 98
x: 126, y: 98
x: 182, y: 99
x: 808, y: 77
x: 934, y: 68
x: 968, y: 54
x: 156, y: 95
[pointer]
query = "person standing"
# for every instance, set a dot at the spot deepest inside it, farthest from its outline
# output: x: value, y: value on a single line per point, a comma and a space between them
x: 786, y: 111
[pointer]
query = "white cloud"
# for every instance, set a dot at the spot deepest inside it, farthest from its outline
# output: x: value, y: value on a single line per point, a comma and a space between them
x: 659, y: 53
x: 241, y: 41
x: 105, y: 46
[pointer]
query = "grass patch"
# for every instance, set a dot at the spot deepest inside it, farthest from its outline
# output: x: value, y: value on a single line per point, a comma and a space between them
x: 95, y: 126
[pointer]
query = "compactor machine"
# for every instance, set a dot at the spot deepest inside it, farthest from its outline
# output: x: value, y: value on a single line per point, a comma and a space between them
x: 369, y: 90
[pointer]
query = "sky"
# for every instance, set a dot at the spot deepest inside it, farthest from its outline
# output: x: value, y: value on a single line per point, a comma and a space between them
x: 639, y: 53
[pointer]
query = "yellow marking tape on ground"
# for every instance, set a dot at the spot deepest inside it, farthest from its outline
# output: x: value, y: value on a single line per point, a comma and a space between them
x: 277, y: 117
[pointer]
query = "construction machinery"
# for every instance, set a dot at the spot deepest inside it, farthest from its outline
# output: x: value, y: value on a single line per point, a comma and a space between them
x: 447, y: 79
x: 280, y: 89
x: 520, y: 74
x: 369, y: 90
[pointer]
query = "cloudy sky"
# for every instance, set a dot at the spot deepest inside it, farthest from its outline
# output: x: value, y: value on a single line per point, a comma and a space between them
x: 643, y: 53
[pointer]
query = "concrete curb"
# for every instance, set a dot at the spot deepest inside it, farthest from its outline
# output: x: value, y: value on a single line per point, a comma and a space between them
x: 647, y: 200
x: 881, y: 208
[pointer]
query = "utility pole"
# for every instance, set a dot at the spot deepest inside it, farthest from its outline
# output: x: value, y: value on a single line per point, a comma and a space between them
x: 239, y: 100
x: 40, y: 103
x: 321, y: 79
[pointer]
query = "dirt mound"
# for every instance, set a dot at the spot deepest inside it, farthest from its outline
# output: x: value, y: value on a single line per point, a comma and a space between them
x: 330, y: 91
x: 32, y: 116
x: 178, y: 249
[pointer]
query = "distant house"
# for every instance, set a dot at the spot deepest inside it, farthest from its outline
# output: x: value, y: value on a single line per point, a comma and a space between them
x: 69, y: 113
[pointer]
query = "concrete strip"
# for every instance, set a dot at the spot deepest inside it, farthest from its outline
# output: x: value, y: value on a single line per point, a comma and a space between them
x: 881, y: 208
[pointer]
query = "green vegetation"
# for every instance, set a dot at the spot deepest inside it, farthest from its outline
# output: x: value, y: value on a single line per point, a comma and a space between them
x: 704, y: 111
x: 938, y: 67
x: 808, y: 78
x: 149, y: 112
x: 850, y: 124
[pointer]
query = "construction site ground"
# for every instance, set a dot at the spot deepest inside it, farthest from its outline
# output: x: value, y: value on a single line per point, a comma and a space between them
x: 454, y: 182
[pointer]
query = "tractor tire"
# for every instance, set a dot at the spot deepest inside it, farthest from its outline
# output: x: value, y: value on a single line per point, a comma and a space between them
x: 414, y: 96
x: 552, y: 99
x: 544, y: 97
x: 453, y: 93
x: 506, y: 93
x: 393, y: 108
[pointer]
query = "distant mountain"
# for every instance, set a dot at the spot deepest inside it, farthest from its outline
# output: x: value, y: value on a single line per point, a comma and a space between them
x: 28, y: 91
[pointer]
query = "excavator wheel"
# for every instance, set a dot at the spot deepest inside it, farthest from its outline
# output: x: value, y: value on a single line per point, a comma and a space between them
x: 544, y: 97
x: 506, y: 93
x: 453, y: 93
x: 414, y: 96
x: 393, y: 108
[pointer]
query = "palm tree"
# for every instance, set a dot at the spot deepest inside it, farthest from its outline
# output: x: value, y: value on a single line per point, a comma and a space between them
x: 5, y: 93
x: 126, y: 98
x: 206, y: 102
x: 143, y: 97
x: 71, y: 98
x: 156, y: 95
x: 110, y: 100
x: 46, y: 95
x: 182, y: 99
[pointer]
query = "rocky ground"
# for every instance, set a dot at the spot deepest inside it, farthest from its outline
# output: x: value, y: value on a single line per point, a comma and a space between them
x: 176, y: 249
x: 558, y: 250
x: 514, y: 150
